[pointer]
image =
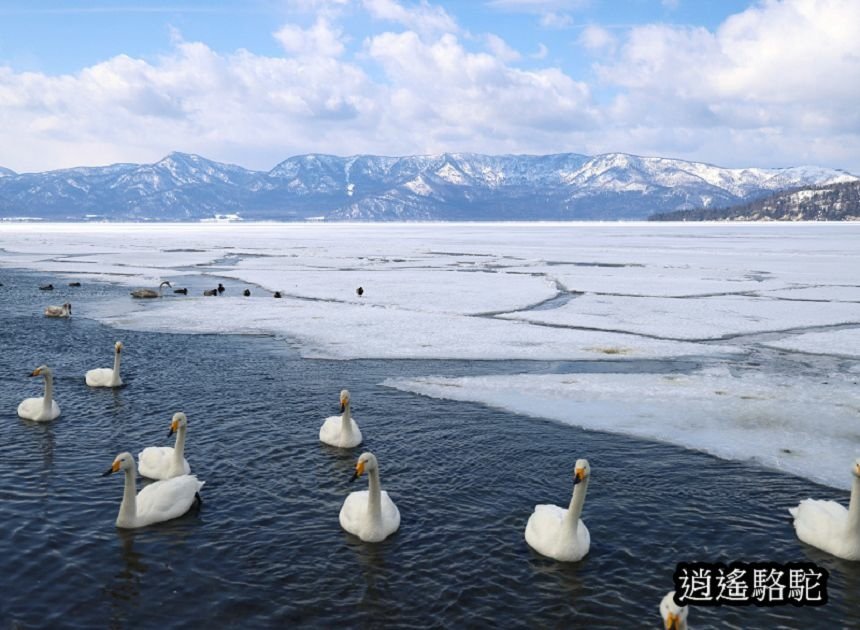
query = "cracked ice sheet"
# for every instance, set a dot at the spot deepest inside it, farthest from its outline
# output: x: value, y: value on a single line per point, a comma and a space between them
x: 803, y: 427
x: 692, y: 318
x: 845, y: 343
x: 833, y: 293
x: 436, y: 290
x: 353, y: 331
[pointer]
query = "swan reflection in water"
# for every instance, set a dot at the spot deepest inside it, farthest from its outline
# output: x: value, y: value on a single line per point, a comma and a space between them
x: 123, y: 588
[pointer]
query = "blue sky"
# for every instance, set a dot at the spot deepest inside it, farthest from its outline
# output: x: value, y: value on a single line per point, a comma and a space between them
x: 736, y: 83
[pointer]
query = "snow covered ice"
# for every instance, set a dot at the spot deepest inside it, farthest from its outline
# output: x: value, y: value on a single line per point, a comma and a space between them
x: 710, y: 294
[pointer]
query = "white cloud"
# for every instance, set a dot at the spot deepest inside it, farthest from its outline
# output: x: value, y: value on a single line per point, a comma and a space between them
x: 777, y: 84
x: 779, y: 81
x: 551, y: 19
x: 595, y: 37
x: 500, y: 49
x: 320, y: 39
x: 541, y: 53
x: 422, y: 17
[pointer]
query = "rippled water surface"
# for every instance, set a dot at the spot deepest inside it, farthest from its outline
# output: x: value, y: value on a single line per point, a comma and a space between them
x: 266, y: 548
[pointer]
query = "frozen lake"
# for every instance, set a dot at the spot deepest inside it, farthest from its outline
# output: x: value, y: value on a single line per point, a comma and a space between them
x: 741, y: 341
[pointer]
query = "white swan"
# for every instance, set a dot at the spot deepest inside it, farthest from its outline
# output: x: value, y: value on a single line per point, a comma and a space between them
x: 44, y: 407
x: 157, y: 502
x: 164, y: 462
x: 828, y: 525
x: 149, y: 293
x: 341, y: 430
x: 369, y: 514
x: 557, y: 532
x: 59, y: 311
x: 107, y: 377
x: 674, y: 616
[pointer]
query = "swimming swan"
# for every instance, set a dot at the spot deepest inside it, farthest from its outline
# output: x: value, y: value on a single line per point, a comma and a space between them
x: 59, y: 311
x: 45, y: 407
x: 558, y: 533
x: 149, y: 293
x: 341, y: 430
x: 157, y: 502
x: 107, y: 377
x: 674, y: 616
x: 369, y: 514
x: 828, y: 525
x: 164, y: 462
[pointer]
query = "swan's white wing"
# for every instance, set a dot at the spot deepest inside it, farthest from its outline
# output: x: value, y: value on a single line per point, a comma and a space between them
x: 354, y: 511
x: 154, y: 462
x: 330, y: 430
x: 99, y: 377
x: 30, y: 408
x: 168, y: 499
x: 330, y: 433
x: 33, y: 409
x: 356, y: 435
x: 818, y: 522
x: 390, y: 514
x: 543, y: 527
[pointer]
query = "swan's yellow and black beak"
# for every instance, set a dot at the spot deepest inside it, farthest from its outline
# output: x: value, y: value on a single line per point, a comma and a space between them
x: 359, y: 471
x: 578, y: 475
x: 343, y: 402
x: 673, y: 622
x: 118, y: 347
x: 114, y: 468
x: 174, y: 426
x: 36, y: 372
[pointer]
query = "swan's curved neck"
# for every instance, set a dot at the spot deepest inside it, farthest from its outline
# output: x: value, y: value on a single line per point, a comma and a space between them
x: 49, y: 392
x: 346, y: 422
x: 116, y: 360
x: 574, y: 510
x: 128, y: 507
x: 179, y: 447
x: 854, y: 507
x: 374, y: 501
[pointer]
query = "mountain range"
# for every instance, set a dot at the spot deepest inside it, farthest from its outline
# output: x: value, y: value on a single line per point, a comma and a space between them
x: 449, y: 186
x: 836, y: 202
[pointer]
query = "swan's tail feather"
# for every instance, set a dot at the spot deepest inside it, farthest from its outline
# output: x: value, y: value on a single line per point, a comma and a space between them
x: 793, y: 511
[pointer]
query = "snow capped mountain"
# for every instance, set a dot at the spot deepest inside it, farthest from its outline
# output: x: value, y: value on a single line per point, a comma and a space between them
x: 5, y: 172
x: 838, y: 201
x: 449, y: 186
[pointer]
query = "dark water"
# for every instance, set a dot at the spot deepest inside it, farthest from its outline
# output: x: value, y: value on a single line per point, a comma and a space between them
x: 266, y: 549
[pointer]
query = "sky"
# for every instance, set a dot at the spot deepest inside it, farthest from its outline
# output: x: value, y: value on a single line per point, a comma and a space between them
x: 765, y: 83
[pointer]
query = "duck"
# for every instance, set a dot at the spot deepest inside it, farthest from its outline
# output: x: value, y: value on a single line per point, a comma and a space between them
x: 149, y: 293
x: 42, y: 408
x: 674, y: 616
x: 107, y: 377
x: 246, y: 292
x: 59, y: 311
x: 221, y: 288
x: 158, y: 502
x: 74, y: 284
x: 46, y: 287
x: 277, y: 294
x: 369, y: 514
x: 830, y: 527
x: 182, y: 291
x: 210, y: 292
x: 164, y: 462
x: 559, y: 533
x: 342, y: 430
x: 360, y: 291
